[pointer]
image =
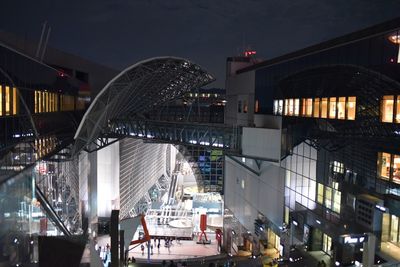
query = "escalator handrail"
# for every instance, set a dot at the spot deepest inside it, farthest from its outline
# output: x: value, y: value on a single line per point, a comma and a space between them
x: 51, y: 212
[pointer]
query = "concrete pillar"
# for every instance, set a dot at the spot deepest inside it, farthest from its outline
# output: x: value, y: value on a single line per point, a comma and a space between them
x: 114, y: 238
x: 369, y: 251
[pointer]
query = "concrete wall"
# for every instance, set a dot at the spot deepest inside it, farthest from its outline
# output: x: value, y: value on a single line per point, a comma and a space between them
x: 247, y: 194
x: 108, y: 180
x: 240, y: 88
x: 262, y: 143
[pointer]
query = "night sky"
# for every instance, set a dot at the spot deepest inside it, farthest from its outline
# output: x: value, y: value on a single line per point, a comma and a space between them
x: 120, y: 33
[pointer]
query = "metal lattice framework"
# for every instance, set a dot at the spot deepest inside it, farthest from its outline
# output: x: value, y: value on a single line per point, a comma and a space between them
x: 136, y: 90
x: 206, y: 135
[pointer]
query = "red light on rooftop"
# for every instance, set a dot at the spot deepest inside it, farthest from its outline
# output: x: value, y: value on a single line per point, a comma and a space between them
x: 249, y: 53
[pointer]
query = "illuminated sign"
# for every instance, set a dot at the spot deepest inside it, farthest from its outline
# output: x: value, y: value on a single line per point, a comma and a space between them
x: 354, y: 239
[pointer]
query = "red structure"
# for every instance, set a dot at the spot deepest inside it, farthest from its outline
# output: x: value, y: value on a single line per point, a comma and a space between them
x: 203, y: 226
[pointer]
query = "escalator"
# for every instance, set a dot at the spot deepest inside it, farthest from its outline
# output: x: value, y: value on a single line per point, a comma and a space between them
x: 50, y: 212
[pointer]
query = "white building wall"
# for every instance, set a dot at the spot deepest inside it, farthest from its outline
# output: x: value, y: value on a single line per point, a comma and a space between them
x: 262, y: 143
x: 247, y: 194
x: 108, y: 180
x: 240, y: 88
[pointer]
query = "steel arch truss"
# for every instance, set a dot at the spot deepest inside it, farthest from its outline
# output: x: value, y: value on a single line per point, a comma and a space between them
x: 137, y: 89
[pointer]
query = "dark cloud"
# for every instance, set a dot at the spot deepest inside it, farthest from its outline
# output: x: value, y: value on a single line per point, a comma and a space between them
x: 119, y: 33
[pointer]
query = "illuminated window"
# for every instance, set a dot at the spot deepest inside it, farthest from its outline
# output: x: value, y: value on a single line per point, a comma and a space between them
x: 286, y: 106
x: 338, y: 167
x: 303, y: 107
x: 394, y: 229
x: 256, y: 107
x: 328, y: 197
x: 309, y: 107
x: 276, y: 102
x: 316, y: 108
x: 324, y: 107
x: 1, y: 100
x: 320, y: 194
x: 337, y: 199
x: 326, y: 243
x: 280, y: 107
x: 245, y: 106
x: 7, y: 101
x: 351, y: 108
x: 384, y: 160
x: 291, y: 107
x: 398, y: 109
x: 396, y: 169
x: 341, y: 108
x: 387, y: 108
x: 332, y: 107
x: 296, y: 107
x: 15, y: 101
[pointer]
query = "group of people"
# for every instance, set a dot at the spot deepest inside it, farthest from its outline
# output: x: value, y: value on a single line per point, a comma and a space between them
x: 157, y: 243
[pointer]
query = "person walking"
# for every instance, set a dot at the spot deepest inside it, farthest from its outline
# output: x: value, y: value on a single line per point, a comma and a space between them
x: 158, y: 247
x: 151, y: 249
x: 142, y: 249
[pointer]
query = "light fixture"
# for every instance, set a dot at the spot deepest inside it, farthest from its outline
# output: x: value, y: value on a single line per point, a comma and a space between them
x: 318, y: 221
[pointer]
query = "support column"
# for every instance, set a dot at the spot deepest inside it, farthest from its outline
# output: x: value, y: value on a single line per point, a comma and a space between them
x: 122, y: 247
x: 369, y: 251
x: 114, y: 238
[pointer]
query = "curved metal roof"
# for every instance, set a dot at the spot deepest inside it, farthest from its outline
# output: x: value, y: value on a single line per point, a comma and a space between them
x: 136, y: 90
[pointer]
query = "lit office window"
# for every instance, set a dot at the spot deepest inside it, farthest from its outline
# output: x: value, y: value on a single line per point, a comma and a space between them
x: 316, y: 108
x: 276, y: 107
x: 245, y: 106
x: 396, y: 169
x: 296, y: 107
x: 7, y: 101
x: 280, y: 107
x: 394, y: 229
x: 387, y: 108
x: 15, y: 102
x: 303, y: 107
x: 286, y: 107
x: 341, y: 108
x: 328, y: 197
x: 351, y: 108
x: 332, y: 107
x: 324, y: 107
x: 384, y: 160
x: 320, y: 194
x: 309, y: 107
x: 291, y: 107
x: 337, y: 198
x: 398, y: 109
x: 338, y: 167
